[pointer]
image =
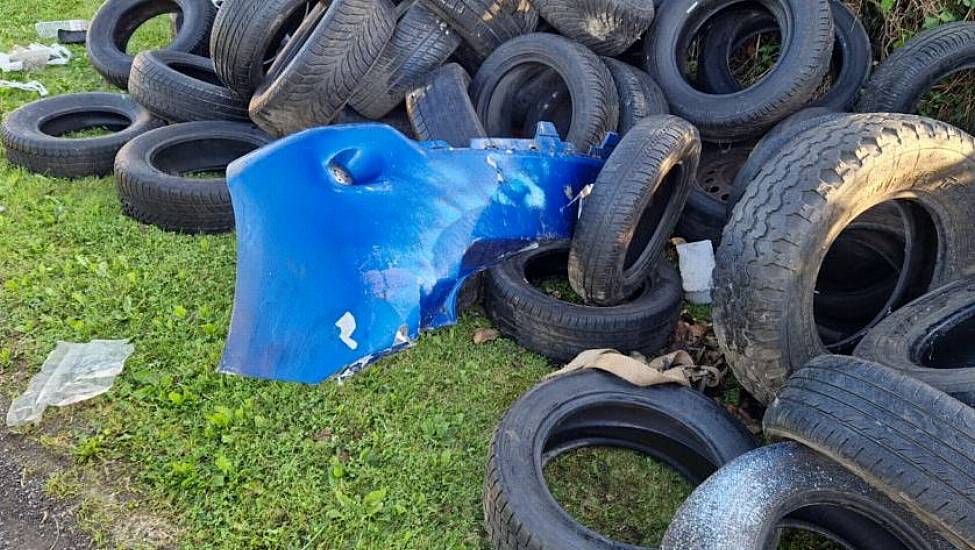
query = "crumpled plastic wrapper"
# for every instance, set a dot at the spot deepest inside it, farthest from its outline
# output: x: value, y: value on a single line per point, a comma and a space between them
x: 71, y: 373
x: 32, y: 86
x: 34, y: 57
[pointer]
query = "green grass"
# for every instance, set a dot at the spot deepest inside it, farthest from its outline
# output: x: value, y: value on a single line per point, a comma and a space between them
x: 392, y: 458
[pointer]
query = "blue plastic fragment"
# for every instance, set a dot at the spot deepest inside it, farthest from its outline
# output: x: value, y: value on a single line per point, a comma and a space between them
x: 353, y: 239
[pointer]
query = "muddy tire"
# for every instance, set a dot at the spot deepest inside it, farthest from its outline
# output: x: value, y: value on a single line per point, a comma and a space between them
x: 33, y: 134
x: 677, y: 426
x: 182, y: 87
x: 440, y: 109
x: 321, y: 67
x: 560, y: 330
x: 914, y: 443
x: 607, y: 27
x: 743, y: 506
x: 630, y: 214
x: 818, y: 184
x: 902, y: 80
x: 706, y: 212
x: 152, y: 175
x: 117, y: 20
x: 594, y: 97
x: 803, y: 62
x: 930, y: 339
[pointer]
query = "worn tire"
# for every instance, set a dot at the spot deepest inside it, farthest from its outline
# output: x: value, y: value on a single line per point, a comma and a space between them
x: 318, y: 71
x: 640, y: 97
x: 630, y: 214
x: 706, y: 212
x: 420, y: 44
x: 677, y: 426
x: 151, y: 174
x: 803, y: 62
x: 595, y: 100
x: 743, y: 506
x: 117, y: 20
x: 485, y: 24
x: 607, y: 27
x: 782, y: 228
x: 182, y: 87
x: 909, y: 340
x: 901, y: 81
x: 247, y: 35
x: 31, y: 134
x: 770, y: 145
x: 852, y: 54
x: 440, y: 109
x: 561, y: 330
x: 914, y: 443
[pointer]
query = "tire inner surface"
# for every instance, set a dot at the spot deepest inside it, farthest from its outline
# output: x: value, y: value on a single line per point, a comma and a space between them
x: 138, y: 16
x: 66, y: 123
x: 952, y: 344
x: 554, y: 264
x: 649, y: 223
x: 200, y: 155
x: 913, y: 276
x: 287, y: 31
x: 692, y: 32
x: 522, y: 125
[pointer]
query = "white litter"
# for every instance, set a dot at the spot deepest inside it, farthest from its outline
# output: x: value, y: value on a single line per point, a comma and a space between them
x: 697, y: 269
x: 34, y: 57
x: 32, y: 86
x: 49, y: 29
x: 71, y: 373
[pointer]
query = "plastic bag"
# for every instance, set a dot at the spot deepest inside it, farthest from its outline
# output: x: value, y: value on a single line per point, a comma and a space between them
x: 71, y: 373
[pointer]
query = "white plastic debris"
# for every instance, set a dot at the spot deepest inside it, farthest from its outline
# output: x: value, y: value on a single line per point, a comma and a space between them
x: 32, y: 86
x: 34, y: 57
x: 49, y: 29
x: 696, y: 269
x: 71, y: 373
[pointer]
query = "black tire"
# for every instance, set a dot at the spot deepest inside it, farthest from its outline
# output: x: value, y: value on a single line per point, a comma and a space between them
x: 743, y: 506
x: 914, y: 443
x: 320, y: 68
x: 397, y: 119
x: 677, y: 426
x: 182, y: 87
x: 770, y: 145
x: 781, y: 230
x: 152, y: 174
x: 706, y: 212
x: 247, y: 36
x: 440, y: 109
x: 852, y: 55
x: 607, y: 27
x: 639, y: 95
x: 807, y: 44
x: 117, y: 20
x: 31, y: 135
x: 420, y: 44
x: 595, y: 100
x: 561, y: 330
x: 485, y: 24
x: 931, y: 340
x: 902, y: 80
x: 630, y: 214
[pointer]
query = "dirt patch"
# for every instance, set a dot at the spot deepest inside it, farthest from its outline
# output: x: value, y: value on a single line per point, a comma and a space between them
x: 29, y: 519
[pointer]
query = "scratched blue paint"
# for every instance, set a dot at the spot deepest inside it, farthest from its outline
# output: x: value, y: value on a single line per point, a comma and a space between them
x: 359, y: 225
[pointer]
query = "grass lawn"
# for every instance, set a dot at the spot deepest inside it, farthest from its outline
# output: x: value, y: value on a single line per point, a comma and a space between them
x: 392, y: 458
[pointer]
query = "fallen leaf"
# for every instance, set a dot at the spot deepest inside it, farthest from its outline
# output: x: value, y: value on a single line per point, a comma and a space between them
x: 483, y: 335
